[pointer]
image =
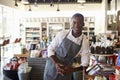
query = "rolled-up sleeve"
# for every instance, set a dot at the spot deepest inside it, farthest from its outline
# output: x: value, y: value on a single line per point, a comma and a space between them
x: 85, y: 59
x: 52, y: 47
x: 85, y: 53
x: 55, y: 43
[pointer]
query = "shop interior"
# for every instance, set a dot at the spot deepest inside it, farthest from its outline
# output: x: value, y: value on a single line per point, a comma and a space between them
x: 27, y: 27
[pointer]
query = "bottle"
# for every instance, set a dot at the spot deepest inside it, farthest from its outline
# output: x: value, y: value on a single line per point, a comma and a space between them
x: 41, y: 44
x: 92, y: 50
x: 24, y: 50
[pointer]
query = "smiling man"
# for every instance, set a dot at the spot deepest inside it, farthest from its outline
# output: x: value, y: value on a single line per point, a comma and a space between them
x: 65, y: 47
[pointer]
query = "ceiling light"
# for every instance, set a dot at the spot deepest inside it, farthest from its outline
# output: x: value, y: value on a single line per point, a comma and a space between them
x: 81, y: 1
x: 51, y: 4
x: 16, y: 3
x: 25, y: 1
x: 29, y: 8
x: 36, y: 3
x: 58, y: 9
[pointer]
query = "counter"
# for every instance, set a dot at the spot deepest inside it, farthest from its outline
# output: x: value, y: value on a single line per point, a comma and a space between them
x: 38, y: 65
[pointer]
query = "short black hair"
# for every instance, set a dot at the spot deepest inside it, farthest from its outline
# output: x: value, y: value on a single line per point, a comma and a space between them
x: 78, y: 15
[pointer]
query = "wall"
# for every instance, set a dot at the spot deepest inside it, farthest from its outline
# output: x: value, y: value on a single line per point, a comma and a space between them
x: 11, y: 3
x: 115, y: 6
x: 67, y: 10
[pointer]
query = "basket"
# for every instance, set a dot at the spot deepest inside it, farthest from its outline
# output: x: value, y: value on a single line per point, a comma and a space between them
x: 12, y: 74
x: 23, y: 76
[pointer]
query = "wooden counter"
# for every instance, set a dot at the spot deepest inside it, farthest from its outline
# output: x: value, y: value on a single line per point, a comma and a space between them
x: 22, y: 55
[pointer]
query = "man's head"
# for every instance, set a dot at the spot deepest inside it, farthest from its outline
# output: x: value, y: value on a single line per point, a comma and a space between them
x: 77, y: 23
x: 78, y: 15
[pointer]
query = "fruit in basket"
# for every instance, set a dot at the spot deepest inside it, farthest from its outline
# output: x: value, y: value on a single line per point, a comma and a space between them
x: 15, y: 66
x: 8, y: 66
x: 12, y: 66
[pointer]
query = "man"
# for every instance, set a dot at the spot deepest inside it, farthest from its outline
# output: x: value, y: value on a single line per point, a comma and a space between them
x: 64, y: 48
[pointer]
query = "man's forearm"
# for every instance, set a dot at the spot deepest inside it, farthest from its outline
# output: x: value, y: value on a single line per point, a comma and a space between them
x: 54, y: 59
x: 80, y: 68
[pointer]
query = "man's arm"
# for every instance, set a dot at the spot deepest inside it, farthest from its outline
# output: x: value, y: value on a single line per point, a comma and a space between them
x: 63, y: 69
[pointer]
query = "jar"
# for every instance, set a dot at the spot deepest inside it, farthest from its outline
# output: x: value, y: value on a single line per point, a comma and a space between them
x: 98, y: 49
x: 102, y: 50
x: 92, y: 49
x: 108, y: 50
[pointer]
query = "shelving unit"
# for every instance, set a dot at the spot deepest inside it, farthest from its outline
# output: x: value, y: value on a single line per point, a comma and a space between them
x: 54, y: 28
x: 37, y: 28
x: 44, y: 29
x: 118, y: 22
x: 112, y: 24
x: 89, y: 28
x: 32, y: 33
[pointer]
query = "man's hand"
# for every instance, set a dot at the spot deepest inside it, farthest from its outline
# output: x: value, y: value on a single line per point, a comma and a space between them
x: 63, y: 70
x: 68, y: 70
x: 59, y: 68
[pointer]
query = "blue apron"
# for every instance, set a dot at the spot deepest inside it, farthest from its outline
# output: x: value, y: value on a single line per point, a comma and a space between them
x: 66, y: 53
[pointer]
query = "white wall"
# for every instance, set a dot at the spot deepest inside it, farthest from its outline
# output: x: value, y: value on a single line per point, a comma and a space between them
x: 67, y: 10
x: 11, y: 3
x: 113, y: 5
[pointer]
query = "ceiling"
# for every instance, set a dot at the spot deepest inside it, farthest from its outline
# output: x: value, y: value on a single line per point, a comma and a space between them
x: 64, y: 1
x: 61, y: 1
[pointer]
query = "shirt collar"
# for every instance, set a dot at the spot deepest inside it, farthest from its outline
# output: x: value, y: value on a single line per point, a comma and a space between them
x: 70, y: 34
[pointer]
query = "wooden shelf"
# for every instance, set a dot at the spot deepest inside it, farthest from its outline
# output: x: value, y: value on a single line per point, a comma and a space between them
x: 103, y: 54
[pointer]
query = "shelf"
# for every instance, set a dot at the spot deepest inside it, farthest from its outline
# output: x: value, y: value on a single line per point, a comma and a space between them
x: 103, y: 54
x: 22, y: 55
x: 32, y: 33
x: 49, y: 26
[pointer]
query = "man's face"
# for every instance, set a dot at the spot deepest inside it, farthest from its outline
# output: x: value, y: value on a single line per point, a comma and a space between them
x: 77, y: 24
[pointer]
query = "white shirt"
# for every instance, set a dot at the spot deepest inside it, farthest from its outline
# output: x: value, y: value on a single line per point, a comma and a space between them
x: 84, y: 51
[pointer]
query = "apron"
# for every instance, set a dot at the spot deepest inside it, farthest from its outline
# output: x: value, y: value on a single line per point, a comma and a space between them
x: 65, y: 53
